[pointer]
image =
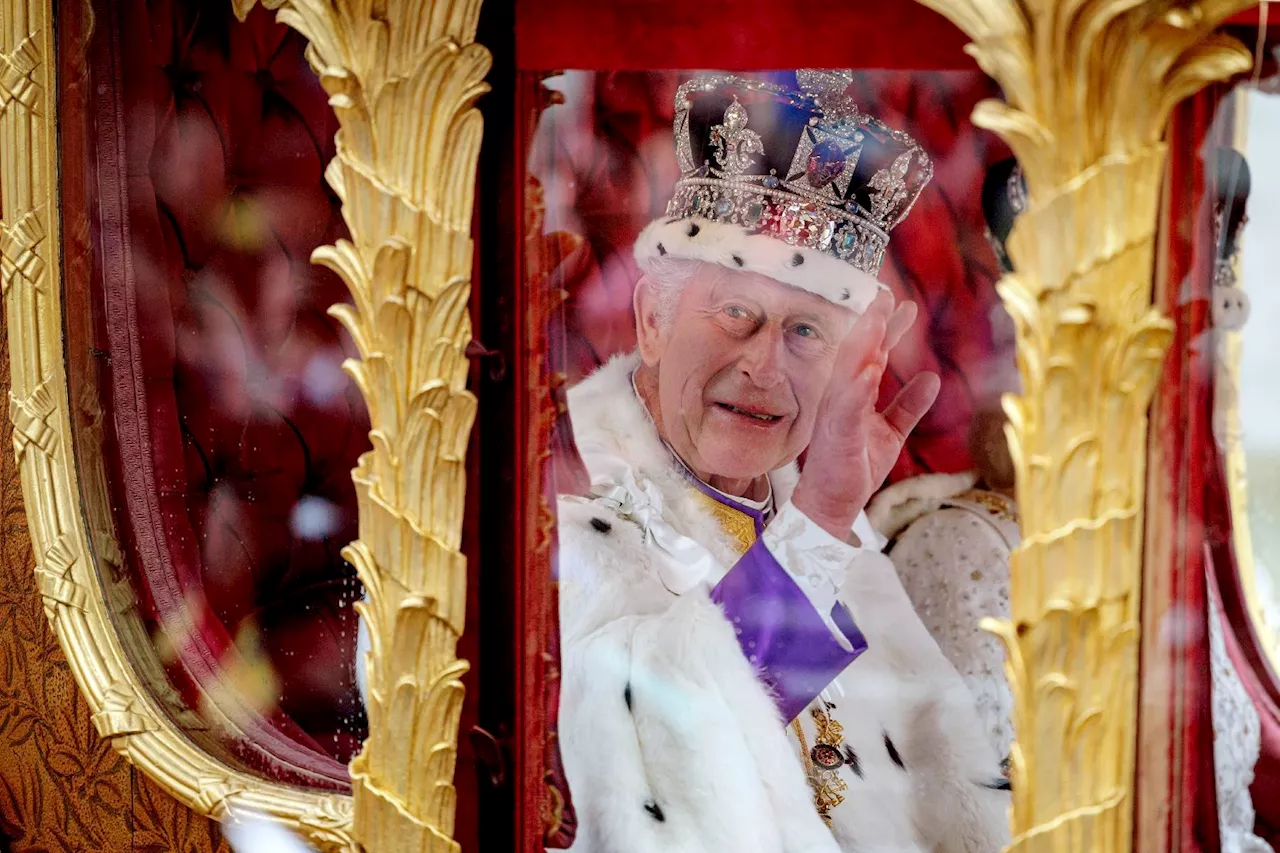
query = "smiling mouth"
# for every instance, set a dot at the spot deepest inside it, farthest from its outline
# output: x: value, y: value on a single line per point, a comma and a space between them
x: 764, y: 418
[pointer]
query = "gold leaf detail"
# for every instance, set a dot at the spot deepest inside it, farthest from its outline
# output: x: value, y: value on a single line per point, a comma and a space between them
x: 118, y: 692
x: 54, y: 576
x: 122, y: 713
x: 403, y: 78
x: 215, y: 795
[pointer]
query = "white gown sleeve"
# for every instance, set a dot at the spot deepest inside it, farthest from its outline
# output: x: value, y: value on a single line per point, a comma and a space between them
x: 954, y: 566
x: 816, y: 560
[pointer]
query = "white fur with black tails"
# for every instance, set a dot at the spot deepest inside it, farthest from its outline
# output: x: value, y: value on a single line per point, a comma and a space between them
x: 671, y: 744
x: 733, y: 246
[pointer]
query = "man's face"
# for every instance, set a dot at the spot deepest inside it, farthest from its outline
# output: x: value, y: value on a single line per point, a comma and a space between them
x: 741, y: 369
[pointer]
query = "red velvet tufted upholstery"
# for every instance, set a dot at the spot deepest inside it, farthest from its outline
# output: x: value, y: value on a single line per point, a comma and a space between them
x: 237, y: 429
x: 607, y: 164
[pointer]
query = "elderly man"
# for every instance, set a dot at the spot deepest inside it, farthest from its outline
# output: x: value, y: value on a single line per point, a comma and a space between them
x: 742, y: 670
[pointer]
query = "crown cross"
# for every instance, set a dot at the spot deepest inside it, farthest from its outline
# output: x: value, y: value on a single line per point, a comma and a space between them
x: 830, y: 90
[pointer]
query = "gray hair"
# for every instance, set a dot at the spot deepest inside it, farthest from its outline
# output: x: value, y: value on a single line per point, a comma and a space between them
x: 667, y: 278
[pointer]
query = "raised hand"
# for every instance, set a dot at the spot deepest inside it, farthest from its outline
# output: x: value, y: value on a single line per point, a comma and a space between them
x: 853, y: 445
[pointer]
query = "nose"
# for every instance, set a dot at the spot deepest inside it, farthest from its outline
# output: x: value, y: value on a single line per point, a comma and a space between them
x: 762, y: 358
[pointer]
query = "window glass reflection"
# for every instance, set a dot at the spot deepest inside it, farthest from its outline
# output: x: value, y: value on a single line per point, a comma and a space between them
x: 217, y: 430
x: 1259, y: 353
x: 733, y: 588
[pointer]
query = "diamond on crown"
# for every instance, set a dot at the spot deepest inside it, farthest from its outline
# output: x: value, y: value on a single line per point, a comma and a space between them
x: 808, y: 223
x: 735, y: 145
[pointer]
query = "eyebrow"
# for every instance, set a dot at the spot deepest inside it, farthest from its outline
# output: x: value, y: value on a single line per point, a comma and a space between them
x: 817, y: 313
x: 811, y: 318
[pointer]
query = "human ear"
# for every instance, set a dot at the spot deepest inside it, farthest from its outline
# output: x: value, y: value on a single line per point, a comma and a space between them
x: 650, y: 334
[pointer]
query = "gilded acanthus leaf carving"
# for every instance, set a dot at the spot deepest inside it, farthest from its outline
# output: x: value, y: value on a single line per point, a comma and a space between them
x: 403, y: 77
x: 1089, y: 353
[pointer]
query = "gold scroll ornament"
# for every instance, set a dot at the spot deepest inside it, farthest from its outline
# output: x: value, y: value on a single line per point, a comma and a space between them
x: 1089, y: 87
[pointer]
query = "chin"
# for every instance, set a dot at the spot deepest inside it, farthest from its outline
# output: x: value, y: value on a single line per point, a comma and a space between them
x: 740, y: 462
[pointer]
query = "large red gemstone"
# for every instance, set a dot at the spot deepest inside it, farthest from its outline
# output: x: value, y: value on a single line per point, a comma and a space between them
x: 826, y: 756
x: 826, y: 163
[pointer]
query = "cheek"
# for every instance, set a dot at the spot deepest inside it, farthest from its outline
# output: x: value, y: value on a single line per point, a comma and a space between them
x: 682, y: 380
x: 702, y: 358
x: 810, y: 385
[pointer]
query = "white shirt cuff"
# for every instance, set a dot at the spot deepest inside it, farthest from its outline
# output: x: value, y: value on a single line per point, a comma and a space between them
x: 816, y: 560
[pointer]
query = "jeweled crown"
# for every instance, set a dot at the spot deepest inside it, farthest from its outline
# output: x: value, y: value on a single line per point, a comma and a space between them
x: 802, y: 164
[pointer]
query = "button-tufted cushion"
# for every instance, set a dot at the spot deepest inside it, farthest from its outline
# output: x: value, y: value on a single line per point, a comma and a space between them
x: 237, y: 427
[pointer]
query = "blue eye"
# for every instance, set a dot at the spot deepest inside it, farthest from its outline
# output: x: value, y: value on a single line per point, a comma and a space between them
x: 737, y: 312
x: 804, y: 330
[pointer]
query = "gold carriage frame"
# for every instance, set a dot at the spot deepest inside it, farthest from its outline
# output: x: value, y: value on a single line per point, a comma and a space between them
x: 403, y: 77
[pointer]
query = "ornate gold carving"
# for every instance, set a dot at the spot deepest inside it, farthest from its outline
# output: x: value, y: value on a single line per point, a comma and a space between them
x: 55, y: 580
x: 20, y: 244
x: 17, y: 75
x: 121, y: 698
x: 119, y: 714
x: 30, y: 417
x: 216, y: 792
x: 328, y: 822
x: 1089, y: 351
x: 403, y: 77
